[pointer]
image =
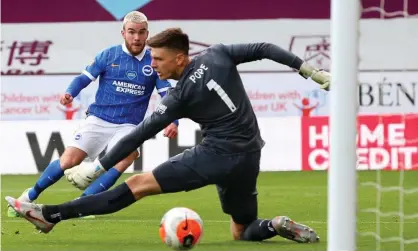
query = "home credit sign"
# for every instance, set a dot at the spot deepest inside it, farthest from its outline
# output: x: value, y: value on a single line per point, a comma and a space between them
x: 383, y: 143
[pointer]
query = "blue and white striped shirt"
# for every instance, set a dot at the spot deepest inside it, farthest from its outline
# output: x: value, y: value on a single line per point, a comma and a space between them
x: 126, y: 83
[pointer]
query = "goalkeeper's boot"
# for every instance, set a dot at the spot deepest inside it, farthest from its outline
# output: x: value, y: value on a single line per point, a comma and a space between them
x: 24, y: 197
x: 31, y: 212
x: 294, y: 231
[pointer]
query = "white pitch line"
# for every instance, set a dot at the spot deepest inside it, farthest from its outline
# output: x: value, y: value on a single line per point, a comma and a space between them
x: 208, y: 221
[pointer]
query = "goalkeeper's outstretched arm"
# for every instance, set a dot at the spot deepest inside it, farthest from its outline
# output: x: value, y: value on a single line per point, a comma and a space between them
x: 243, y: 53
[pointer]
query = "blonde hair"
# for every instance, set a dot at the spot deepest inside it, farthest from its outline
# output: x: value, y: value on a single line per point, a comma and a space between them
x: 135, y: 17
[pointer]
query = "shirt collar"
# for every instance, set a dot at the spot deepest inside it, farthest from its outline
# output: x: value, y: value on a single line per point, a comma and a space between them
x: 188, y: 68
x: 140, y: 56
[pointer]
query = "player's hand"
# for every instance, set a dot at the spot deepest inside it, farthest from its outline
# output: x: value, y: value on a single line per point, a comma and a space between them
x: 323, y: 78
x: 170, y: 131
x: 66, y: 99
x: 83, y: 175
x: 69, y: 175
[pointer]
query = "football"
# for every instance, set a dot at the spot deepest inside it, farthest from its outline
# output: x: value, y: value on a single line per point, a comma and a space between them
x: 181, y: 228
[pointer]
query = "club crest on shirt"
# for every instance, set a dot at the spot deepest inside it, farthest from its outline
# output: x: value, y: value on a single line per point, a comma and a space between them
x: 147, y: 70
x: 77, y: 136
x: 131, y: 75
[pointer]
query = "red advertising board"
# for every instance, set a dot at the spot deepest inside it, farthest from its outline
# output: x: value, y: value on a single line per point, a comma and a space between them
x: 383, y: 142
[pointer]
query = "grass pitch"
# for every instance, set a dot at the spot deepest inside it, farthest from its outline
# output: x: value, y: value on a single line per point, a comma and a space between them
x: 300, y: 195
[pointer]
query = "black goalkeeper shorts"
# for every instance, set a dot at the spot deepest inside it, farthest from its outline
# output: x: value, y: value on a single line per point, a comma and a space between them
x: 235, y: 176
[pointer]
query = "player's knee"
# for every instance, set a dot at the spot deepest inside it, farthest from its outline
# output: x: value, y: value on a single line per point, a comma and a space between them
x: 71, y: 157
x: 143, y: 185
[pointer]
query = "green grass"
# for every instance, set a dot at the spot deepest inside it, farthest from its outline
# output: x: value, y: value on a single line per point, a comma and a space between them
x: 300, y: 195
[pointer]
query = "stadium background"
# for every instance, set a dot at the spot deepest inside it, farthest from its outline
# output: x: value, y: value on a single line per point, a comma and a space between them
x: 43, y: 50
x: 44, y: 44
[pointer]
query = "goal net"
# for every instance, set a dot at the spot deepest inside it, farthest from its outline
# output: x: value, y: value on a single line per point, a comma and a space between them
x: 387, y: 142
x: 388, y: 197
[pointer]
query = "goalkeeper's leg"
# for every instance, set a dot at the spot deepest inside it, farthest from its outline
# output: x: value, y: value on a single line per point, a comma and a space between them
x: 44, y: 217
x: 245, y: 225
x: 238, y: 196
x: 176, y: 174
x: 242, y: 206
x: 262, y: 229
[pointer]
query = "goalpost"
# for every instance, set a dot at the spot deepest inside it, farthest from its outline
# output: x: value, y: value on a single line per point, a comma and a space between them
x: 343, y: 121
x: 391, y: 217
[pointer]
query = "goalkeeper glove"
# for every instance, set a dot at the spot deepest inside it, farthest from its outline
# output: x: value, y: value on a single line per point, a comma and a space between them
x: 323, y: 78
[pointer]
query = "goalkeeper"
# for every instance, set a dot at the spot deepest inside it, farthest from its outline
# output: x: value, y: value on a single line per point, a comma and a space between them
x: 210, y: 92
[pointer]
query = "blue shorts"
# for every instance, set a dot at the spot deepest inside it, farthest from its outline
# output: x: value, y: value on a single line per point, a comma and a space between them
x: 235, y: 176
